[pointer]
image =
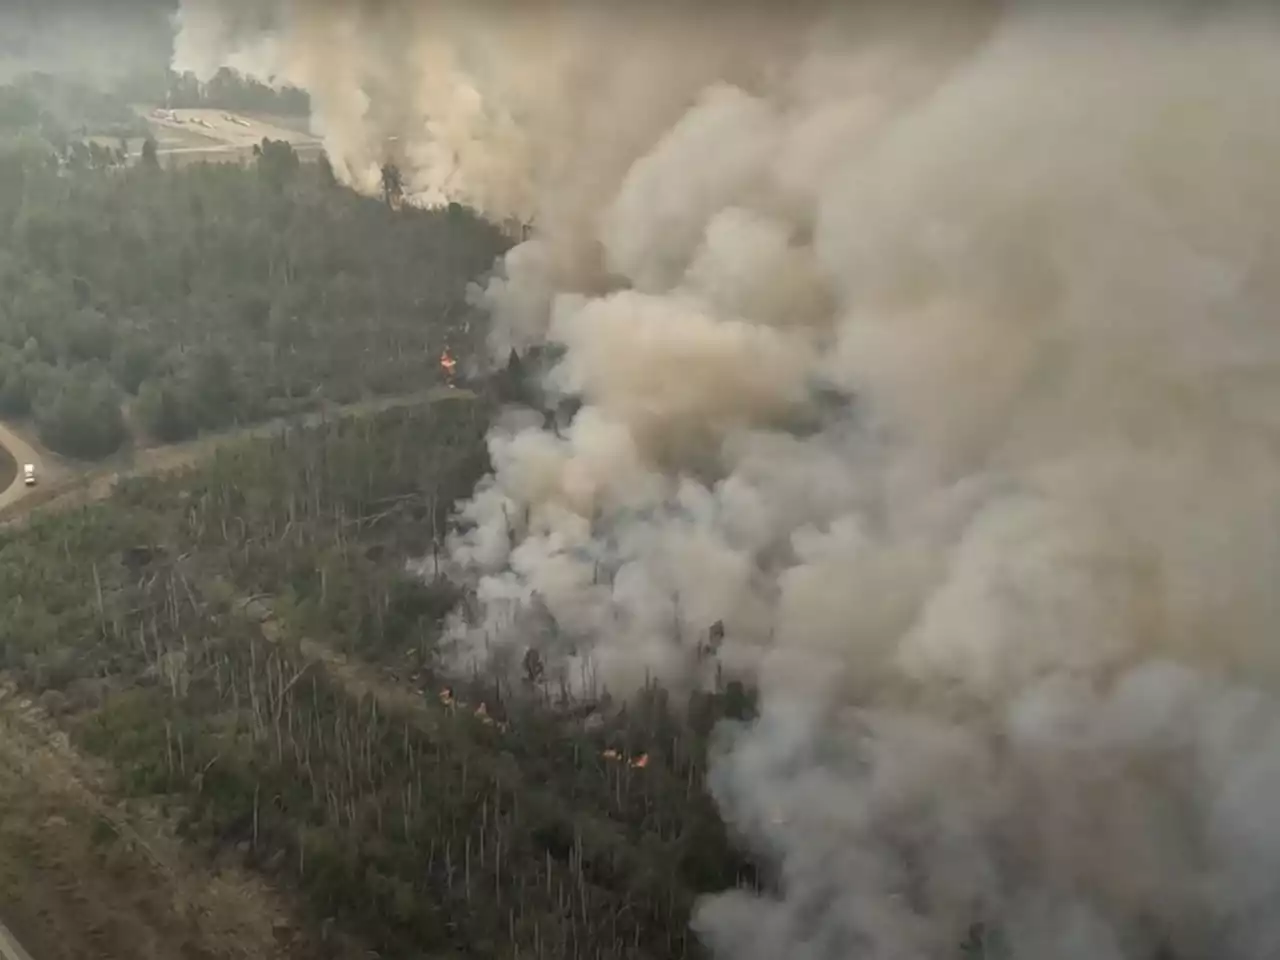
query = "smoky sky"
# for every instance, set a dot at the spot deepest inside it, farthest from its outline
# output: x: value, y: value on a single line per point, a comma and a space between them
x: 100, y: 41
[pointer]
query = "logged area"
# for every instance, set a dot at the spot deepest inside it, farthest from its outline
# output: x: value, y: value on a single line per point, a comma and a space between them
x: 242, y: 652
x: 228, y: 730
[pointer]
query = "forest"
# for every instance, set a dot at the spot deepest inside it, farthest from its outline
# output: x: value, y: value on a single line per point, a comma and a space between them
x: 141, y: 304
x: 244, y: 642
x: 229, y: 90
x: 247, y: 644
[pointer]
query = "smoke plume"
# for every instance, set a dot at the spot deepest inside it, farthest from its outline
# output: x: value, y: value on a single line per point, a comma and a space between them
x: 1011, y: 597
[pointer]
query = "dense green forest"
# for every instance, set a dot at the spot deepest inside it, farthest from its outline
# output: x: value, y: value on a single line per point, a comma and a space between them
x: 174, y: 301
x: 229, y: 90
x: 243, y: 642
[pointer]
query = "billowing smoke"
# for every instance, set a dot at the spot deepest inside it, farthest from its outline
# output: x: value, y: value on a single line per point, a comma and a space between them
x: 1011, y: 598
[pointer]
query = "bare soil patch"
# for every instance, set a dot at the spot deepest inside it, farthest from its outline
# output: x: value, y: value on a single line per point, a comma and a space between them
x: 82, y: 878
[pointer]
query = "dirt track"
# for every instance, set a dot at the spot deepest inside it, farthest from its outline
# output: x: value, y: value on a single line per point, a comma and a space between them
x: 22, y: 452
x: 65, y: 487
x: 68, y: 896
x: 84, y: 880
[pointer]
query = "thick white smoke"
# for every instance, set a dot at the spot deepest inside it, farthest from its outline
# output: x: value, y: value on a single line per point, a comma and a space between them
x: 1013, y: 608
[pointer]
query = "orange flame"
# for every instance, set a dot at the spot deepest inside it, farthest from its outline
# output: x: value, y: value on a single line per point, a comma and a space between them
x: 637, y: 763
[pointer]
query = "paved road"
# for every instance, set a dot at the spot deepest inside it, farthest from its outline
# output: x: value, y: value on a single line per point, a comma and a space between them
x: 22, y: 452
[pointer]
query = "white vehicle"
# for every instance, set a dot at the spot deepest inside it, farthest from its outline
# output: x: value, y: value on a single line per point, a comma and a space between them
x: 29, y: 474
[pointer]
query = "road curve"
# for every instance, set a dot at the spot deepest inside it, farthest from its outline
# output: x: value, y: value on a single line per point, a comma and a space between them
x: 22, y: 452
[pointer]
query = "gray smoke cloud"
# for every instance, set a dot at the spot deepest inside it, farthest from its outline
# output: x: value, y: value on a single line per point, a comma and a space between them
x: 1012, y: 607
x: 98, y: 43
